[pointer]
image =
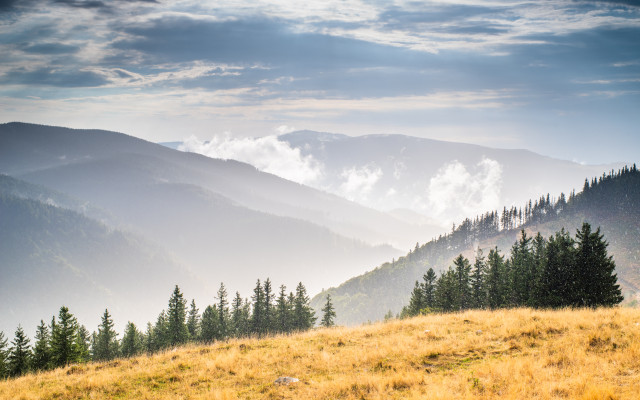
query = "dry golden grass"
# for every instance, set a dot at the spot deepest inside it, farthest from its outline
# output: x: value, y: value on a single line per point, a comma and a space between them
x: 511, y: 354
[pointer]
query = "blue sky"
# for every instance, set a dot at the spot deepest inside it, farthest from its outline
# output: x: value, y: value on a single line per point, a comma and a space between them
x: 561, y: 78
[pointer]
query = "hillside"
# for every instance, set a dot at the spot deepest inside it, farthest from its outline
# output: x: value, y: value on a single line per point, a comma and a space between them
x: 611, y: 202
x: 224, y: 220
x: 52, y: 256
x: 507, y: 354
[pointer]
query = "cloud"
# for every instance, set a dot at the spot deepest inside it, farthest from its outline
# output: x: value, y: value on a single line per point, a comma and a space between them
x: 266, y: 153
x: 358, y: 182
x: 456, y: 192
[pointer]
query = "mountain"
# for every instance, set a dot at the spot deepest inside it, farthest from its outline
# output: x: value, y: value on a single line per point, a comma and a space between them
x: 443, y: 181
x: 224, y: 220
x: 52, y: 256
x: 611, y: 202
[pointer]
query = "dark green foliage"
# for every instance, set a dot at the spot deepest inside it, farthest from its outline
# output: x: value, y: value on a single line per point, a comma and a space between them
x: 176, y: 319
x: 193, y: 322
x: 559, y: 272
x: 41, y: 350
x: 4, y: 353
x: 82, y: 345
x: 595, y: 277
x: 63, y: 337
x: 258, y: 317
x: 240, y: 311
x: 19, y: 358
x: 429, y: 289
x: 106, y: 345
x: 328, y: 313
x: 223, y: 312
x: 160, y: 336
x: 210, y: 324
x: 303, y: 314
x: 283, y: 312
x: 132, y: 341
x: 269, y: 310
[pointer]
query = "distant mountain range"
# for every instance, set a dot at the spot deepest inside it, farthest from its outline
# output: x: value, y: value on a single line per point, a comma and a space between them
x: 222, y: 221
x: 611, y: 202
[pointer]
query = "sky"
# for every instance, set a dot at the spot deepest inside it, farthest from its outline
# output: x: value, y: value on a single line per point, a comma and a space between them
x: 559, y: 77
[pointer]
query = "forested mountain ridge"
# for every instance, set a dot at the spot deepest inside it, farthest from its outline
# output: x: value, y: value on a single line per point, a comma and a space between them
x: 611, y: 202
x: 52, y: 256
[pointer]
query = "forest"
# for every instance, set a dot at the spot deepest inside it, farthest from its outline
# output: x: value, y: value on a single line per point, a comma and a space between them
x: 64, y: 341
x: 541, y: 273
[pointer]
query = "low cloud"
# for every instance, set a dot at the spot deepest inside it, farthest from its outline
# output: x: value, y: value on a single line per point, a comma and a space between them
x: 266, y: 153
x: 456, y: 192
x: 358, y: 182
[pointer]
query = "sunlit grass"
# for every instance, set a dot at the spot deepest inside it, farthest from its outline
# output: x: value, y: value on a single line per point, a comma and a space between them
x: 509, y: 354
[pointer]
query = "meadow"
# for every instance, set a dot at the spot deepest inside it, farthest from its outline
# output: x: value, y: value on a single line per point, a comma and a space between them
x: 506, y: 354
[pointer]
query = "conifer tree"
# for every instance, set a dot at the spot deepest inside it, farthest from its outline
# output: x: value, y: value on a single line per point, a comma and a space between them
x: 329, y: 313
x: 478, y: 290
x: 20, y: 354
x: 521, y: 271
x: 303, y: 314
x: 193, y: 321
x: 447, y: 295
x: 539, y: 246
x: 176, y: 319
x: 416, y: 302
x: 149, y: 346
x: 131, y: 341
x: 257, y: 316
x: 82, y: 345
x: 495, y: 282
x: 63, y: 351
x: 239, y: 316
x: 210, y: 324
x: 106, y: 344
x: 283, y: 312
x: 4, y: 353
x: 556, y: 287
x: 269, y: 313
x: 429, y: 289
x: 161, y: 332
x: 463, y: 289
x: 41, y: 349
x: 595, y: 269
x: 223, y: 313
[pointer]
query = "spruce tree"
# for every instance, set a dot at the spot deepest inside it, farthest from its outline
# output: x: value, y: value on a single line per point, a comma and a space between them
x: 269, y: 313
x: 131, y: 341
x: 447, y: 295
x: 42, y: 348
x: 416, y: 302
x: 522, y: 271
x: 106, y: 344
x: 239, y: 317
x: 462, y: 271
x: 596, y: 278
x: 82, y: 345
x: 20, y: 354
x: 539, y: 248
x: 149, y: 346
x: 478, y: 290
x: 193, y: 322
x: 4, y: 353
x: 210, y: 324
x: 303, y: 315
x: 283, y: 312
x: 223, y: 312
x: 329, y: 313
x: 176, y: 319
x: 257, y: 316
x: 63, y: 351
x: 429, y: 289
x: 558, y: 271
x: 495, y: 280
x: 161, y: 332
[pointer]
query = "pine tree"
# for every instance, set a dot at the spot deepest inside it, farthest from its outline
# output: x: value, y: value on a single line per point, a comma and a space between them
x: 478, y: 290
x: 429, y: 289
x: 539, y: 247
x: 596, y: 278
x: 283, y: 312
x: 106, y: 344
x: 82, y: 345
x: 20, y: 354
x: 522, y: 271
x: 4, y: 353
x: 41, y: 350
x: 303, y: 315
x: 447, y: 296
x: 257, y: 316
x: 223, y: 312
x: 176, y: 319
x: 239, y: 317
x: 161, y: 332
x: 558, y: 271
x: 131, y: 341
x: 329, y: 313
x: 269, y: 313
x: 193, y: 322
x: 416, y: 302
x: 63, y: 351
x: 462, y: 271
x: 149, y: 346
x: 210, y: 324
x: 495, y: 280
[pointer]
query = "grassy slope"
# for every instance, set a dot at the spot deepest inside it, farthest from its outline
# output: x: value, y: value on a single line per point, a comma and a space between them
x: 511, y: 354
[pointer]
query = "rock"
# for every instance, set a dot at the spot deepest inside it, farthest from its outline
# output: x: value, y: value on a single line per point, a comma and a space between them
x: 479, y: 332
x: 285, y: 380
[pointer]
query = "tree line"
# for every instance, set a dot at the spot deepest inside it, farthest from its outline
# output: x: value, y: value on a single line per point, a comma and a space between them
x: 560, y: 271
x: 64, y: 341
